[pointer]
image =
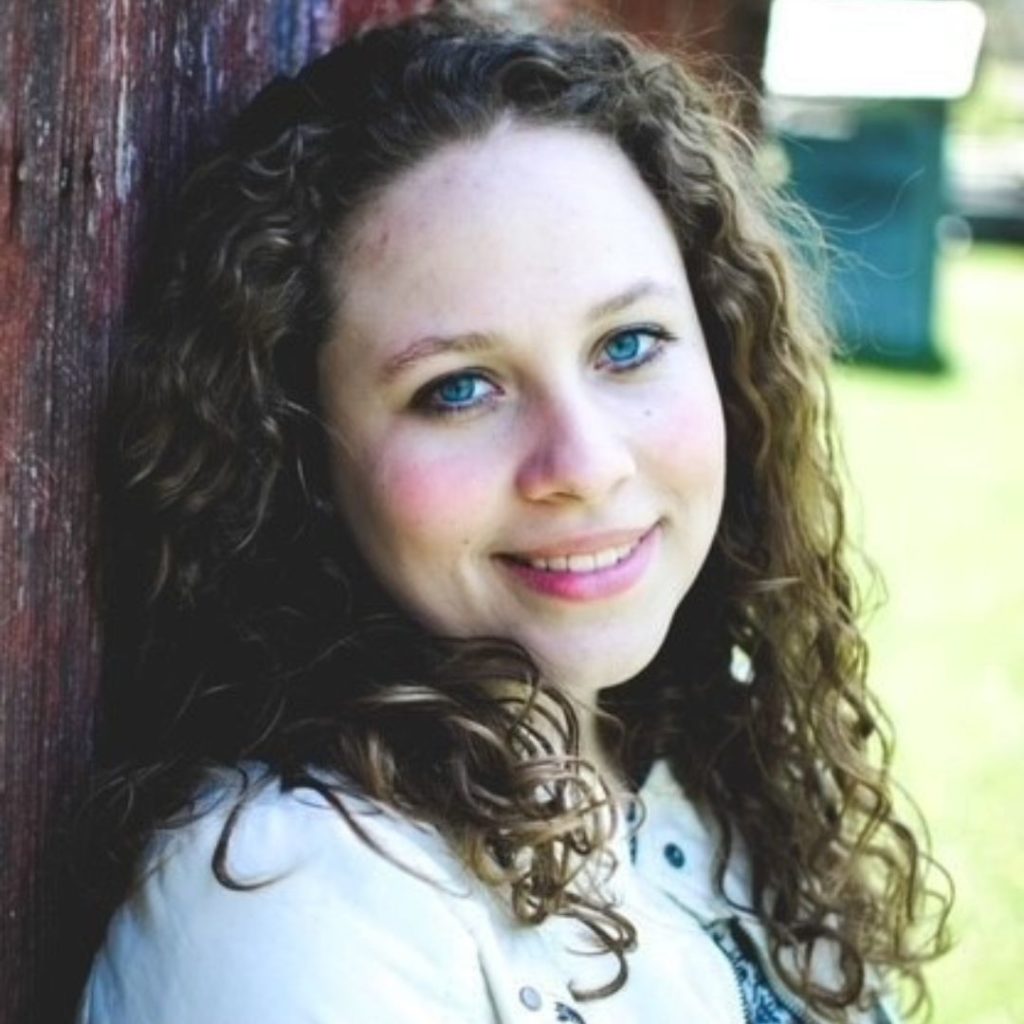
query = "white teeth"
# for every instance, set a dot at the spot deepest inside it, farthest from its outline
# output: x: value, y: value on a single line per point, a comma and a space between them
x: 584, y: 563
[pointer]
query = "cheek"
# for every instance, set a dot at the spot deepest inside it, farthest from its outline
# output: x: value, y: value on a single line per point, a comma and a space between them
x: 430, y: 501
x: 688, y: 438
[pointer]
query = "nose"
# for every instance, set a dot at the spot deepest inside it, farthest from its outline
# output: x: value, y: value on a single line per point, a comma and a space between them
x: 578, y: 451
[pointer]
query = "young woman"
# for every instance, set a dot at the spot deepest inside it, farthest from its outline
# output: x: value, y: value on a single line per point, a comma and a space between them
x: 477, y: 517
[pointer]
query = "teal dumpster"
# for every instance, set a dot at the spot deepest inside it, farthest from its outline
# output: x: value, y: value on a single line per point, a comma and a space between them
x: 857, y: 93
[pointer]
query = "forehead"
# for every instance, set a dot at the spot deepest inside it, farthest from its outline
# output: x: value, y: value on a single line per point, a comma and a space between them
x: 524, y: 215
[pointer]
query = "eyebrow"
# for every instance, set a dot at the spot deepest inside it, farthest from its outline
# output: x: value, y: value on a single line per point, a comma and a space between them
x: 482, y: 341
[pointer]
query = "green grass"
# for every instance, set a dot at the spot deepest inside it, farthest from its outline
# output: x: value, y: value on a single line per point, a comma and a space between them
x: 995, y: 106
x: 938, y: 502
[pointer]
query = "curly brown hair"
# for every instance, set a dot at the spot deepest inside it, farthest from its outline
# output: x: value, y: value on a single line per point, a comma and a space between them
x: 249, y: 628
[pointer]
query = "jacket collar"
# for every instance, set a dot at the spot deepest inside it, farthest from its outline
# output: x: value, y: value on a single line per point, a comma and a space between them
x: 673, y: 844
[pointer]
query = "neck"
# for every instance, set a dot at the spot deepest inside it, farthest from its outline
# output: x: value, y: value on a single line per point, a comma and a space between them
x: 593, y: 749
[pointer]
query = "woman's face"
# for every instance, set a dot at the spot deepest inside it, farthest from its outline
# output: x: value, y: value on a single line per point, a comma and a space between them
x: 528, y: 440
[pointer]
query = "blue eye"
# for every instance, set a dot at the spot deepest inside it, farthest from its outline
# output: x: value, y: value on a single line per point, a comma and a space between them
x: 461, y: 392
x: 633, y: 347
x: 456, y: 390
x: 624, y: 348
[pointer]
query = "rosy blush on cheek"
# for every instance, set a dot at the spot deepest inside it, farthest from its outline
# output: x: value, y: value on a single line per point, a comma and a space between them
x: 690, y: 430
x: 426, y: 500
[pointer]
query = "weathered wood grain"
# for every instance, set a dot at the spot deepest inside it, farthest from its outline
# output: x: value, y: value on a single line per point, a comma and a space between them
x: 103, y: 103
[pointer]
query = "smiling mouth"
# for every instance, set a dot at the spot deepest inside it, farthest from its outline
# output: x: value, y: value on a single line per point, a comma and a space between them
x: 583, y: 555
x: 614, y: 564
x: 591, y: 562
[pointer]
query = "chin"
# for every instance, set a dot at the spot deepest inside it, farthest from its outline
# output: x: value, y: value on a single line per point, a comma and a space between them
x: 584, y: 677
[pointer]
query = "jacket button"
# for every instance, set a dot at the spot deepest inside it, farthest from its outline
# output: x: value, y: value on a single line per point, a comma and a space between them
x: 530, y: 998
x: 674, y: 855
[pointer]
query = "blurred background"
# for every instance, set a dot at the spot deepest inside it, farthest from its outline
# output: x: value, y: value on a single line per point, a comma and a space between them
x: 911, y: 156
x: 900, y: 124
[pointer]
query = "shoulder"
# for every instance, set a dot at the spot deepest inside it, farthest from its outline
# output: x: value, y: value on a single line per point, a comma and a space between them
x: 327, y: 907
x: 270, y: 832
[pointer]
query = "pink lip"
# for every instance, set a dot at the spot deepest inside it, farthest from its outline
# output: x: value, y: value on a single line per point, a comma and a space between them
x: 589, y: 586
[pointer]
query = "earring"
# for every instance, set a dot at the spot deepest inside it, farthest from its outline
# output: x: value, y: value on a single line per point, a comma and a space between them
x: 740, y: 666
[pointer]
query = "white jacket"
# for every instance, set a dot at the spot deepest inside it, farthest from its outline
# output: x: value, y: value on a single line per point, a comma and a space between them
x: 342, y: 935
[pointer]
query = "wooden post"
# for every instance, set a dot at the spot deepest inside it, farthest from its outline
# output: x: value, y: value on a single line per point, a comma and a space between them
x: 103, y: 103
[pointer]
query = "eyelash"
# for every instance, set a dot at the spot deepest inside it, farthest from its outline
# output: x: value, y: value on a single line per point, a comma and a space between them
x: 426, y: 400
